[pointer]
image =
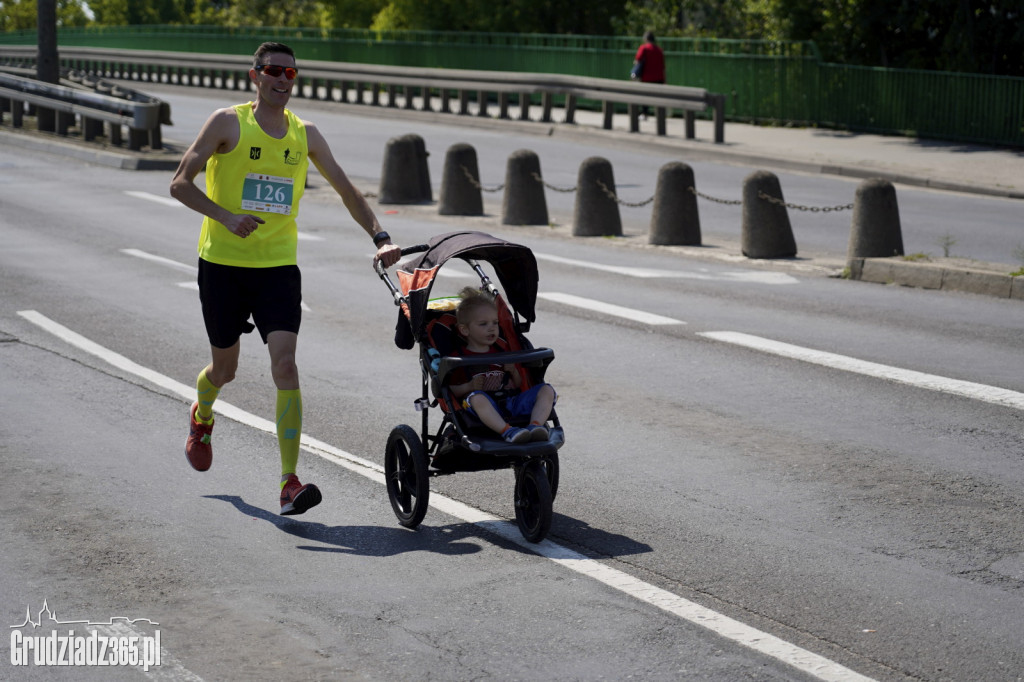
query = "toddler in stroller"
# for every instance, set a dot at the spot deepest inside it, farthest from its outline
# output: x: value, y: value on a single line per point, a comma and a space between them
x: 491, y: 392
x: 480, y: 430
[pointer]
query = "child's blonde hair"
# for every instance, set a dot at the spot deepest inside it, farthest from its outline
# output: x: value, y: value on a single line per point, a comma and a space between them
x: 472, y: 299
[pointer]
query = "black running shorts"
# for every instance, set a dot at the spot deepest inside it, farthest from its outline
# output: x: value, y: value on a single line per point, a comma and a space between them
x: 230, y: 295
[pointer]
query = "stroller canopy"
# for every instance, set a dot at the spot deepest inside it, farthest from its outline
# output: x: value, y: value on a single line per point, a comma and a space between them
x: 514, y: 265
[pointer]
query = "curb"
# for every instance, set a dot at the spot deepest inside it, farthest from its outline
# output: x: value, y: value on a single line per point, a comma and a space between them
x: 95, y: 154
x: 972, y: 280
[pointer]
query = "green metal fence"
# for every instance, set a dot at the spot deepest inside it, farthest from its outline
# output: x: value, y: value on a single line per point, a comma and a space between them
x: 766, y: 81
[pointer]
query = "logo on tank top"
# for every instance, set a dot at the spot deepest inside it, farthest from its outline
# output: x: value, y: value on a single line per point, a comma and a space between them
x: 254, y: 153
x: 292, y: 158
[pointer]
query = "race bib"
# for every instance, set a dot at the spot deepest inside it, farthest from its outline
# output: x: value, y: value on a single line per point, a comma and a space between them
x: 267, y: 193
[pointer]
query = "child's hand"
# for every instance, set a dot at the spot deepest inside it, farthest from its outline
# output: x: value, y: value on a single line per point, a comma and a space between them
x: 492, y: 381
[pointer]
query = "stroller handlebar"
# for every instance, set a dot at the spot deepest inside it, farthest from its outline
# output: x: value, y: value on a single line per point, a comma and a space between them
x: 383, y: 273
x: 417, y: 248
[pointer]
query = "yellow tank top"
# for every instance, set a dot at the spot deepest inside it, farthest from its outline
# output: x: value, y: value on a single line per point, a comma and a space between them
x: 263, y: 176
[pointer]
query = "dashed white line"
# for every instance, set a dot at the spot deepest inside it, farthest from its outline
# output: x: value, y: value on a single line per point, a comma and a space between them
x: 169, y: 201
x: 161, y: 260
x: 728, y: 628
x: 179, y: 266
x: 653, y: 273
x: 608, y: 308
x: 932, y: 382
x: 155, y: 198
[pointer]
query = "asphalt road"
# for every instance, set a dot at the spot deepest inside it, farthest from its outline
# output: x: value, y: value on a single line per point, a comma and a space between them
x: 729, y: 508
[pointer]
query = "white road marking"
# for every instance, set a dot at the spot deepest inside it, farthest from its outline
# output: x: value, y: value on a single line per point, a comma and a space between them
x: 932, y: 382
x: 651, y: 273
x: 169, y: 201
x: 161, y: 260
x: 180, y: 266
x: 733, y: 630
x: 156, y: 198
x: 608, y: 308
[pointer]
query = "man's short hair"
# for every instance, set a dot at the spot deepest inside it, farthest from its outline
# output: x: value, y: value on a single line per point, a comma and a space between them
x: 269, y: 48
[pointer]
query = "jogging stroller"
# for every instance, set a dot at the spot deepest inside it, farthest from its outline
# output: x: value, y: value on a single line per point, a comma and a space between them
x: 461, y: 443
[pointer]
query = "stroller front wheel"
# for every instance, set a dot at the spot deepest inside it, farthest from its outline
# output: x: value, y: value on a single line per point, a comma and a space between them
x: 406, y: 473
x: 533, y: 501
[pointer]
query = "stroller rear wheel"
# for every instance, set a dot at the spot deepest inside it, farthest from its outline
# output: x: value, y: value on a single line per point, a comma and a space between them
x: 405, y: 470
x: 533, y: 500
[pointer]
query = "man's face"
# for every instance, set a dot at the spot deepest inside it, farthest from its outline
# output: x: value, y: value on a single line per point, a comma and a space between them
x: 271, y: 77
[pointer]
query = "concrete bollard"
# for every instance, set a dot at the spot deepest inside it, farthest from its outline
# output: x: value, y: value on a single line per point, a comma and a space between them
x: 524, y: 202
x: 596, y: 213
x: 405, y: 178
x: 460, y: 182
x: 875, y: 229
x: 674, y: 218
x: 766, y: 229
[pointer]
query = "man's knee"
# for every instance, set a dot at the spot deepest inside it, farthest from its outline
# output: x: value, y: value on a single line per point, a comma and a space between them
x: 284, y: 370
x: 220, y: 373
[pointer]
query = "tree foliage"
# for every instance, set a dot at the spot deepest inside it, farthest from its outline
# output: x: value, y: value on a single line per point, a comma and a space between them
x: 952, y: 35
x: 20, y: 15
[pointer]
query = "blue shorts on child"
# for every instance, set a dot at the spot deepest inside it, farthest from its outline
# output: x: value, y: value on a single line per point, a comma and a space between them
x: 519, y: 405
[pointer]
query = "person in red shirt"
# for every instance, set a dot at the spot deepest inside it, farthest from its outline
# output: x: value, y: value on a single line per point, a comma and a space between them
x: 651, y: 62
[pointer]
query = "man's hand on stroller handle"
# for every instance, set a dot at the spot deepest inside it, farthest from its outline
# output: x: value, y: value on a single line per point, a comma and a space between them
x: 380, y: 266
x: 387, y: 255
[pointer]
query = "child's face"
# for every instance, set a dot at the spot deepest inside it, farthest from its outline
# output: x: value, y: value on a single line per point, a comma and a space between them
x: 482, y: 328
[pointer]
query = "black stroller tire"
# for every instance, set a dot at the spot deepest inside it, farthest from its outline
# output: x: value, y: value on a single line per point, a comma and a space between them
x: 533, y: 501
x: 407, y: 477
x: 550, y: 464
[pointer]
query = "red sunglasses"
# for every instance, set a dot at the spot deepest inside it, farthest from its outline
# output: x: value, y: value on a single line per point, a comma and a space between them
x: 274, y: 71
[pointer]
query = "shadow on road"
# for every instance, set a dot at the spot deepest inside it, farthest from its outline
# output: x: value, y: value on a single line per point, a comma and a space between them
x: 453, y: 539
x: 584, y: 537
x: 364, y: 540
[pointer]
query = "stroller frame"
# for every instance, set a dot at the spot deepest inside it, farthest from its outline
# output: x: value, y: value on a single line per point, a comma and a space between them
x: 460, y: 443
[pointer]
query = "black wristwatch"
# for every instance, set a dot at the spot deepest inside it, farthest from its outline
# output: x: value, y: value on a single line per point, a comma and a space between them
x: 380, y: 237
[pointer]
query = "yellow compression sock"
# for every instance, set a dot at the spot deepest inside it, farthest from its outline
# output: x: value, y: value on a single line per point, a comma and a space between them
x: 289, y: 428
x: 207, y: 393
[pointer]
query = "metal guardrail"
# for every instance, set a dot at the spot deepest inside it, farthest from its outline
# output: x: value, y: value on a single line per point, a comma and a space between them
x: 350, y: 82
x: 96, y: 102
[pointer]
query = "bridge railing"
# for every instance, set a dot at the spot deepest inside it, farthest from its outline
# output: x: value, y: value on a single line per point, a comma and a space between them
x: 409, y: 87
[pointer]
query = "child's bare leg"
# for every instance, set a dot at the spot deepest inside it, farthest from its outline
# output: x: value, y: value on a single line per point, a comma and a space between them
x: 542, y: 407
x: 486, y: 413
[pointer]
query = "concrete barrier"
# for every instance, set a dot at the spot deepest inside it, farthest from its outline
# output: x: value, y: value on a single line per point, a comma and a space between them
x: 524, y: 202
x: 675, y: 220
x: 460, y: 182
x: 597, y: 210
x: 875, y: 229
x: 766, y: 232
x: 981, y: 278
x: 405, y: 178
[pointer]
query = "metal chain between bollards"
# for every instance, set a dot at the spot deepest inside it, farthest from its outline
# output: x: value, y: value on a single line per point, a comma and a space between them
x: 565, y: 190
x: 727, y: 202
x: 476, y: 183
x: 797, y: 207
x: 613, y: 197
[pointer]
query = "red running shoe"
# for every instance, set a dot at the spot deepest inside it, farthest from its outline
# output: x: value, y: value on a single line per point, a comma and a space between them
x: 197, y: 448
x: 297, y: 498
